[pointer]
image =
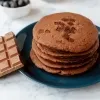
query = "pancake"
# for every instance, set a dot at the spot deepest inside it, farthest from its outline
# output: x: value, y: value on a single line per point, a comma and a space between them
x: 67, y: 72
x: 57, y: 54
x: 66, y: 31
x: 57, y: 59
x: 63, y: 65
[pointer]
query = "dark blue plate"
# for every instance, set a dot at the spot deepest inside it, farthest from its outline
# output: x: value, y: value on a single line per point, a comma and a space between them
x: 30, y: 70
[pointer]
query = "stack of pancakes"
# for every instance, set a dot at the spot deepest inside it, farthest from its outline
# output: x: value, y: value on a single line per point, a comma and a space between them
x: 65, y: 44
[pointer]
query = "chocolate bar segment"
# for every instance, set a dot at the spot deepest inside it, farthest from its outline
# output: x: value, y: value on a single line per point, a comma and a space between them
x: 9, y: 55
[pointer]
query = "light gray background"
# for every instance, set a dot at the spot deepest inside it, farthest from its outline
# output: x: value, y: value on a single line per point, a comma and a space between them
x: 18, y: 87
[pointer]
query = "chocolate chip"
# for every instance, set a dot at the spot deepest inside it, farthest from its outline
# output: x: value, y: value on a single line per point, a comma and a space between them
x: 65, y: 19
x: 67, y: 37
x: 73, y: 29
x: 47, y: 31
x: 59, y: 23
x: 71, y: 40
x: 70, y: 23
x: 59, y: 29
x: 72, y: 20
x: 41, y: 31
x: 67, y: 30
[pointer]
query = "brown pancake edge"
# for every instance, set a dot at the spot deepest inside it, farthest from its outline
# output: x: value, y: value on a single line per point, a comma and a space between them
x: 67, y: 72
x: 63, y: 65
x: 58, y: 59
x: 57, y: 53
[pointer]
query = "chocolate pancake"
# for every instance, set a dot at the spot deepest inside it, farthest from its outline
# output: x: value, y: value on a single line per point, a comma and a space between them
x: 68, y: 72
x: 66, y: 31
x: 63, y: 65
x: 57, y: 53
x: 58, y: 59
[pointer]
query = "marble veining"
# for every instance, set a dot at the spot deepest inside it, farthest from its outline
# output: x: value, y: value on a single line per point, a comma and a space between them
x: 18, y: 87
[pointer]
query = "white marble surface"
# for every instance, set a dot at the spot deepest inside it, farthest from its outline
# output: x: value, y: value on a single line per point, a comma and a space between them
x: 18, y: 87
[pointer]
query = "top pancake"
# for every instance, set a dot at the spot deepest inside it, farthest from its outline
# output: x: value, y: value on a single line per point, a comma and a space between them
x: 66, y: 31
x: 62, y: 54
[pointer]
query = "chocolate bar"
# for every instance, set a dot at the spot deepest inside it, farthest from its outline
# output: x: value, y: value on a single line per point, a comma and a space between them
x: 9, y: 54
